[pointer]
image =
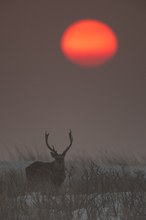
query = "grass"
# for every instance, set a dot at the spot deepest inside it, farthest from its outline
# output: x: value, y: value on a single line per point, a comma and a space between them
x: 89, y: 192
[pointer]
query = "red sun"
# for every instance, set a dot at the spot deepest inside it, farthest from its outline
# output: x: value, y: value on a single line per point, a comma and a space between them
x: 89, y: 43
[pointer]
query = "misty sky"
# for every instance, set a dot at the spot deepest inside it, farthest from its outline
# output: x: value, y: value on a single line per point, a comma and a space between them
x: 41, y: 90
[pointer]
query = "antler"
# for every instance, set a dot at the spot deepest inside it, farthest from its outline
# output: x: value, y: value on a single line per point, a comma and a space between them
x: 51, y: 148
x: 71, y: 140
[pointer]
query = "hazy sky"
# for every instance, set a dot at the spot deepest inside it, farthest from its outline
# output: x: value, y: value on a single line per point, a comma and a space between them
x: 40, y: 90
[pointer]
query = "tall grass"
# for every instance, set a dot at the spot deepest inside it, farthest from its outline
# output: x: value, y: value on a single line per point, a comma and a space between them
x: 89, y: 192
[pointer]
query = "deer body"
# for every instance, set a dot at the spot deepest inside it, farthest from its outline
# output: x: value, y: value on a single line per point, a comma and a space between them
x: 43, y: 171
x: 54, y: 172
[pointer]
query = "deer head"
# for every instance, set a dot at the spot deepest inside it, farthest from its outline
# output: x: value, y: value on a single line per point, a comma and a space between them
x: 59, y: 158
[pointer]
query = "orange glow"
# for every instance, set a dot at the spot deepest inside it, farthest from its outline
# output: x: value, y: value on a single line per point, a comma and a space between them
x: 89, y: 43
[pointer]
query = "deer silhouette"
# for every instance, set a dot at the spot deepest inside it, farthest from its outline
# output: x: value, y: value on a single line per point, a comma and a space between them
x: 53, y: 172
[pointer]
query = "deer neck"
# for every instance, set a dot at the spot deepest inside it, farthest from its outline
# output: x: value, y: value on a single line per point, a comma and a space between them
x: 58, y: 168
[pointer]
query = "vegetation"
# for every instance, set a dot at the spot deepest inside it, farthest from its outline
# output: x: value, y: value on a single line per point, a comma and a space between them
x: 89, y: 192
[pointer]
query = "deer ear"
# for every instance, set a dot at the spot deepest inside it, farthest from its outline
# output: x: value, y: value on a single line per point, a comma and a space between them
x: 53, y: 154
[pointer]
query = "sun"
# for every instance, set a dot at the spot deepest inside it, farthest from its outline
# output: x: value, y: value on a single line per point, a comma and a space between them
x: 89, y: 43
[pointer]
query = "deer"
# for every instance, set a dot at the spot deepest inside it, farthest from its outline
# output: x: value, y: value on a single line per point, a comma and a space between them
x: 53, y: 172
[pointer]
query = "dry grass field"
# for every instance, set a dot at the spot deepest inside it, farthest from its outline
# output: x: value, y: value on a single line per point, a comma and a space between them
x: 90, y: 192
